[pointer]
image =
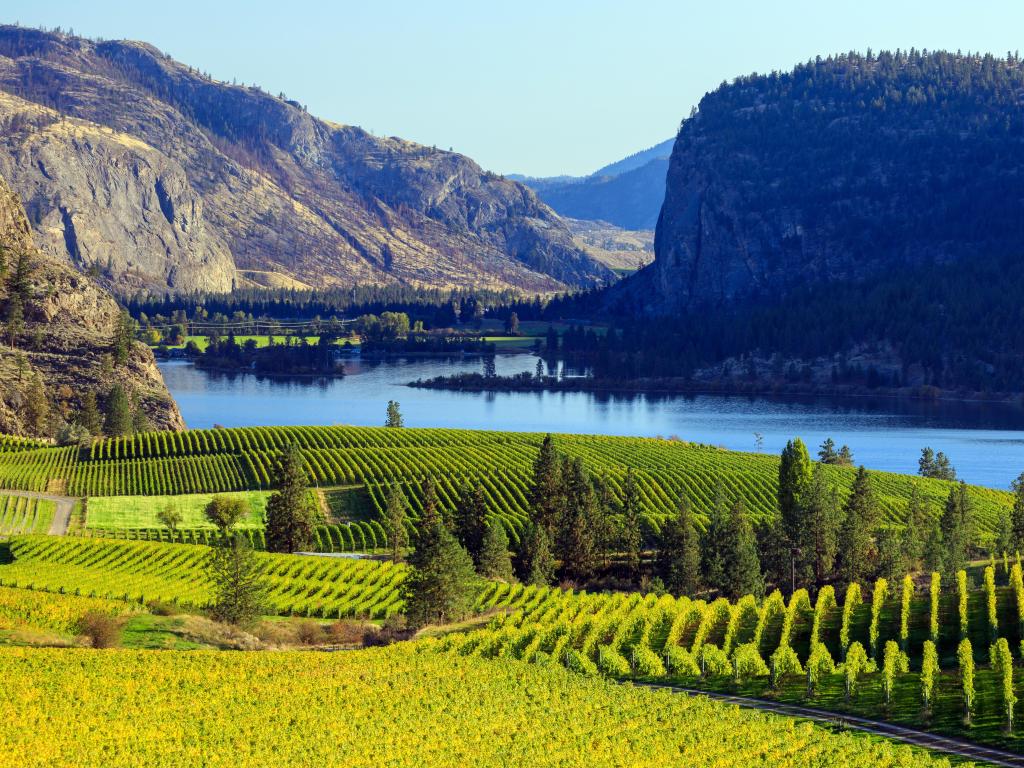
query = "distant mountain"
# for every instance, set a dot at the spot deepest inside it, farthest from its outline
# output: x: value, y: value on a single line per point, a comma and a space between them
x: 856, y: 202
x: 151, y: 175
x: 627, y: 193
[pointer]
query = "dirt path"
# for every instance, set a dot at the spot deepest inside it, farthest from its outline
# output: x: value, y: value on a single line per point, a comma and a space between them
x: 930, y: 741
x: 61, y: 517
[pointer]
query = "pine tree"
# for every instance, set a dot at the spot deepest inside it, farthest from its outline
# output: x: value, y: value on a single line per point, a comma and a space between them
x: 856, y: 543
x: 824, y: 518
x: 442, y: 586
x: 119, y: 413
x: 577, y: 544
x: 934, y: 549
x: 395, y: 519
x: 742, y: 567
x: 36, y: 408
x: 89, y: 414
x: 632, y: 538
x: 679, y: 552
x: 495, y: 559
x: 891, y: 563
x: 124, y: 337
x: 1004, y: 533
x: 715, y: 541
x: 539, y: 564
x: 795, y: 478
x: 915, y: 529
x: 432, y: 513
x: 394, y: 416
x: 547, y: 497
x: 239, y: 594
x: 19, y: 294
x: 956, y: 525
x: 471, y: 520
x: 290, y: 516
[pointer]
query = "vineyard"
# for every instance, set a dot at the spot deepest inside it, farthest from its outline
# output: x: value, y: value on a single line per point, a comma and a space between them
x: 847, y: 654
x: 24, y: 609
x: 399, y: 706
x: 230, y: 460
x: 19, y: 514
x: 142, y: 572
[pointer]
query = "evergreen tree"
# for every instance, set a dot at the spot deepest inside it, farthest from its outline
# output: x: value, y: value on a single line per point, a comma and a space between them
x: 290, y: 516
x: 539, y: 563
x: 892, y: 565
x: 824, y: 518
x: 715, y: 541
x: 1017, y: 515
x: 856, y: 544
x: 36, y: 408
x: 495, y: 559
x: 956, y: 525
x: 119, y: 413
x: 576, y: 540
x: 679, y: 552
x: 19, y: 294
x: 934, y: 550
x: 395, y: 519
x: 442, y: 586
x: 1004, y: 533
x: 827, y: 453
x: 742, y: 567
x: 935, y: 465
x: 547, y: 496
x: 239, y: 594
x: 916, y: 528
x: 471, y: 520
x: 124, y: 337
x: 394, y: 416
x: 632, y: 538
x: 89, y: 414
x: 795, y: 477
x: 432, y: 513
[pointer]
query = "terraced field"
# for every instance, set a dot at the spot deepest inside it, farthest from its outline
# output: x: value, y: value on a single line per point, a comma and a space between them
x: 226, y: 460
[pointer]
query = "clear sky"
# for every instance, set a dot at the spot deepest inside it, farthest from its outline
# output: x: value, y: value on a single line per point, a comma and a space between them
x: 542, y: 88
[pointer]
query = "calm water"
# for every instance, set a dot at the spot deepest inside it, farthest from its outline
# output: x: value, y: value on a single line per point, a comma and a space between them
x: 984, y: 441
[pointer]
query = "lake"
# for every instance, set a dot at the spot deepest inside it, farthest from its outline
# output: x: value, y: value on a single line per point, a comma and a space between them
x: 985, y: 441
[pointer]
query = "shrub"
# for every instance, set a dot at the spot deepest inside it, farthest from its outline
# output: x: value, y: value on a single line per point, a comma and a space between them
x: 577, y: 662
x: 965, y: 659
x: 929, y: 669
x: 342, y: 632
x: 1017, y: 585
x: 611, y: 662
x: 826, y: 599
x: 102, y: 629
x: 309, y: 633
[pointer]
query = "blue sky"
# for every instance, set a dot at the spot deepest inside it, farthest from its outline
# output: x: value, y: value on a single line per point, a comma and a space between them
x: 543, y: 88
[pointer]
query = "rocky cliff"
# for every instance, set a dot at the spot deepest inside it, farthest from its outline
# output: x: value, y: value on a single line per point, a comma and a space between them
x: 149, y: 174
x: 65, y: 341
x: 847, y: 170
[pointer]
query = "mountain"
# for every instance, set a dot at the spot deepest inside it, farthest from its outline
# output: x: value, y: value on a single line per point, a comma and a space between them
x: 856, y: 202
x: 625, y: 250
x: 64, y: 348
x: 627, y: 193
x: 152, y: 175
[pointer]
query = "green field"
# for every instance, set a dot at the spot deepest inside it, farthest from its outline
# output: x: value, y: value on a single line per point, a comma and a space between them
x: 142, y: 511
x: 22, y: 515
x: 261, y: 341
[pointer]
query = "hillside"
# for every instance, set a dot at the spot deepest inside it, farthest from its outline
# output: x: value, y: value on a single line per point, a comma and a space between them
x: 149, y: 174
x: 627, y: 193
x: 61, y: 347
x: 856, y: 205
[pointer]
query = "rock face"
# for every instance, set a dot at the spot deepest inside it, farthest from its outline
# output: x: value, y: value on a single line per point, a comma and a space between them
x: 67, y: 337
x: 845, y: 170
x: 152, y: 175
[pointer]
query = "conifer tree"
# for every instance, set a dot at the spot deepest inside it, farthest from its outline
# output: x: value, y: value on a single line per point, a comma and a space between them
x: 915, y: 530
x: 679, y: 553
x: 576, y: 540
x: 539, y: 563
x: 495, y: 559
x: 742, y: 567
x: 89, y: 414
x: 442, y: 586
x: 36, y: 408
x: 632, y: 539
x: 856, y: 543
x: 547, y: 493
x: 394, y: 416
x: 471, y: 520
x: 956, y: 525
x: 715, y: 541
x: 824, y: 517
x: 239, y: 593
x: 395, y: 519
x: 795, y: 478
x: 119, y: 413
x: 290, y: 516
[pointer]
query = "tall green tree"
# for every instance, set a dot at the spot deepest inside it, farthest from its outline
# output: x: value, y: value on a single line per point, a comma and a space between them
x: 632, y: 537
x: 825, y: 518
x: 495, y: 559
x: 36, y: 408
x: 225, y: 512
x: 538, y: 561
x: 290, y: 516
x: 547, y: 494
x: 395, y: 521
x: 795, y: 477
x: 471, y: 519
x: 239, y: 591
x: 715, y: 542
x: 577, y: 544
x: 119, y: 413
x: 19, y: 294
x: 89, y: 414
x: 857, y: 553
x: 442, y: 586
x: 679, y: 552
x: 742, y: 567
x: 124, y: 337
x: 394, y: 415
x: 917, y: 527
x: 957, y: 528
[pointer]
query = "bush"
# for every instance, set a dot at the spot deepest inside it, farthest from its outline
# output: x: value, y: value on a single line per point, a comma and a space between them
x: 309, y: 633
x: 163, y: 608
x: 345, y: 632
x: 102, y: 629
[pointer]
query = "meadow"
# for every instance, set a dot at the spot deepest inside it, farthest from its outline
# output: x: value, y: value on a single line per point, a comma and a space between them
x: 399, y: 706
x: 120, y: 512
